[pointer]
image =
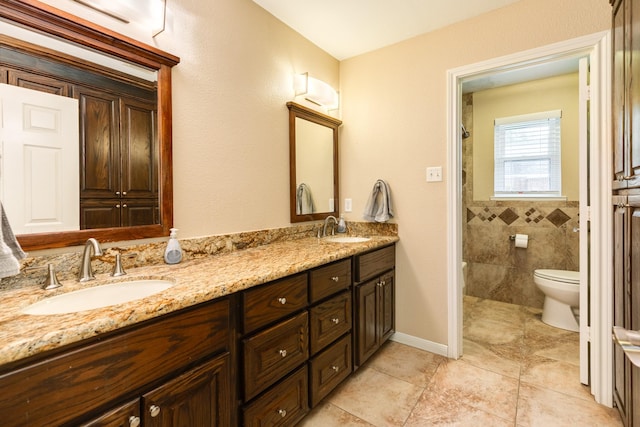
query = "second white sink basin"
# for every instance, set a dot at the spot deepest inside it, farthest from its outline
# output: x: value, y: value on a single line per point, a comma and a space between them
x: 98, y: 297
x: 347, y: 239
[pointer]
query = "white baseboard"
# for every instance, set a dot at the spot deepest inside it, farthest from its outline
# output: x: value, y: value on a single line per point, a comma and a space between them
x: 420, y: 343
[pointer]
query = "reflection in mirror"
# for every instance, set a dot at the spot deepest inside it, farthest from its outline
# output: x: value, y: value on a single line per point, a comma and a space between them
x: 313, y: 155
x: 120, y: 90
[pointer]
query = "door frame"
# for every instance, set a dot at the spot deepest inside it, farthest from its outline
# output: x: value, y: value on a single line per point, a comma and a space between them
x: 597, y: 47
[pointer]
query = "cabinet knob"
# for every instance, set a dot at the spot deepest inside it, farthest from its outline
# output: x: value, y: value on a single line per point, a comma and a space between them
x: 335, y: 278
x: 383, y: 283
x: 335, y: 320
x: 283, y: 353
x: 282, y: 412
x: 335, y: 368
x: 117, y: 193
x: 282, y: 301
x: 118, y: 206
x: 124, y: 205
x: 134, y: 421
x: 154, y: 410
x: 379, y: 284
x: 124, y: 193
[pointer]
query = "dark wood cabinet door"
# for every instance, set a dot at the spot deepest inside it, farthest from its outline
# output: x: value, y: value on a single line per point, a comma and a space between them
x: 621, y: 384
x: 100, y: 213
x: 619, y: 118
x: 37, y: 82
x: 99, y: 143
x: 126, y: 415
x: 386, y: 307
x: 139, y: 149
x: 197, y: 398
x: 366, y: 328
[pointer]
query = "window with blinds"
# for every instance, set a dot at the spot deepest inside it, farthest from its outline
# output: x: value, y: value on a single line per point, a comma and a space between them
x: 527, y: 155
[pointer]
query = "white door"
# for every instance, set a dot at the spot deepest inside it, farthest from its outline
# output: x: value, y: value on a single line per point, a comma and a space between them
x: 39, y: 164
x: 583, y: 120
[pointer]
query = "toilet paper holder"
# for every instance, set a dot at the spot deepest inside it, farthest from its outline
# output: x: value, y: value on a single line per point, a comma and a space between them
x: 512, y: 237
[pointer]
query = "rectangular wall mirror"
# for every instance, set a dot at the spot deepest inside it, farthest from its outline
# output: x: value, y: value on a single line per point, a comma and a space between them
x: 116, y: 181
x: 313, y: 157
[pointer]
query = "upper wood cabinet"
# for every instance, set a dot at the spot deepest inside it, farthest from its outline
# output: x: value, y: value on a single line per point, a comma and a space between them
x: 626, y: 93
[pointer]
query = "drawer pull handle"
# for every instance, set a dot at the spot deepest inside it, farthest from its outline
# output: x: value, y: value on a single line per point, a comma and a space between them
x: 335, y: 320
x: 283, y: 353
x: 335, y: 278
x: 335, y: 368
x: 154, y: 410
x: 134, y: 421
x: 282, y: 412
x: 282, y: 301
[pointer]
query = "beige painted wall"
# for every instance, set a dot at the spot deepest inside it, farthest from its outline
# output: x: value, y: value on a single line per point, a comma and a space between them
x: 556, y: 93
x: 394, y: 113
x: 230, y: 123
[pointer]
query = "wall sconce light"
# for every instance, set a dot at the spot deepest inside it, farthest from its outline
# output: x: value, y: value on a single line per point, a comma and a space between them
x: 316, y: 91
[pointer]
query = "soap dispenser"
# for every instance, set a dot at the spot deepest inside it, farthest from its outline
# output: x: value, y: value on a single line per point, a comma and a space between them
x: 173, y: 253
x: 342, y: 226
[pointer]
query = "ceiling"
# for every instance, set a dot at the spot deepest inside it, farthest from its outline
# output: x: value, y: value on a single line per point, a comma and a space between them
x: 346, y: 28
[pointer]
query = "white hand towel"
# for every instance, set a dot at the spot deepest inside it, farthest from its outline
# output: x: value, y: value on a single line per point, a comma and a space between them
x: 379, y: 207
x: 10, y: 250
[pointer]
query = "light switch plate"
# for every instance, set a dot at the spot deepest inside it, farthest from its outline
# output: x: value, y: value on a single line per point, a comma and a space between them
x: 347, y: 205
x: 434, y: 174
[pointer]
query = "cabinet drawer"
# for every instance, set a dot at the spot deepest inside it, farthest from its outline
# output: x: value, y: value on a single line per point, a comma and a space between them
x: 90, y: 376
x: 329, y: 368
x: 374, y: 263
x: 274, y: 301
x: 284, y: 405
x: 329, y: 320
x: 328, y: 280
x: 271, y: 354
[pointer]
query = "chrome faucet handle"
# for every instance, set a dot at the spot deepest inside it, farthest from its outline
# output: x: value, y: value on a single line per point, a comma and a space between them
x: 51, y: 281
x: 117, y: 268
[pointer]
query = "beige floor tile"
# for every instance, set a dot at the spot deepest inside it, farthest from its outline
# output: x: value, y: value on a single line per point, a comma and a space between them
x: 328, y: 415
x: 377, y: 398
x: 407, y: 363
x: 491, y: 331
x: 485, y: 358
x: 460, y: 383
x: 543, y: 407
x: 452, y: 414
x: 555, y: 375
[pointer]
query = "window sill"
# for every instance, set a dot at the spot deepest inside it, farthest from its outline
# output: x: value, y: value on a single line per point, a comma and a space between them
x: 531, y: 198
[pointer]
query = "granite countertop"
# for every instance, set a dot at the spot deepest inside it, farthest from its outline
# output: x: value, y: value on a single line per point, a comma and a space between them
x: 196, y: 281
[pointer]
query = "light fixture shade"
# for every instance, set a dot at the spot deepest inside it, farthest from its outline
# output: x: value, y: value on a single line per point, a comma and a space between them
x: 316, y: 91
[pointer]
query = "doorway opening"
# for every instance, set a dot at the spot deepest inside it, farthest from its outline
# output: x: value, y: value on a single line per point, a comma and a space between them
x: 594, y: 216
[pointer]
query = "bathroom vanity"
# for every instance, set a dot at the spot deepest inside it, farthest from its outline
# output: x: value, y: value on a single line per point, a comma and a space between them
x: 253, y: 337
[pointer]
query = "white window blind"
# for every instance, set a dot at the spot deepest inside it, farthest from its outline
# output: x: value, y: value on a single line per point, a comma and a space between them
x: 527, y: 155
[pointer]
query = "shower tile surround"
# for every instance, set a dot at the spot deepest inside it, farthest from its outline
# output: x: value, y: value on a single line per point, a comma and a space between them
x: 149, y: 254
x: 496, y: 269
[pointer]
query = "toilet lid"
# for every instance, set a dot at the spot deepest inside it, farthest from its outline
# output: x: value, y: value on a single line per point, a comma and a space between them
x: 559, y: 275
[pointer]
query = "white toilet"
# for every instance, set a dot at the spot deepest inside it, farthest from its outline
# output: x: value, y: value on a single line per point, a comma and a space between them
x: 561, y: 290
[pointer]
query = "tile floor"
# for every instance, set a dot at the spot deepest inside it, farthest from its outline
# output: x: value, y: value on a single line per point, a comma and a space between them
x: 516, y: 371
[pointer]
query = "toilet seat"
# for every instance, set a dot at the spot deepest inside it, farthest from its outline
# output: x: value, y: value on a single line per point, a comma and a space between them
x: 562, y: 276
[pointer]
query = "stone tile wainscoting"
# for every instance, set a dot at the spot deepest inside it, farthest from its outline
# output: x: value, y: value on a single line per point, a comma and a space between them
x: 496, y: 269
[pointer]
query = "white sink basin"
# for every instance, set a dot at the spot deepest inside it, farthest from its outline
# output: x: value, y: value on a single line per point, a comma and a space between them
x: 347, y: 239
x: 98, y: 296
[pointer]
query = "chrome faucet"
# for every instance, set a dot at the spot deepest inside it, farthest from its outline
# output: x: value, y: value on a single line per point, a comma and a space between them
x: 86, y: 273
x: 326, y: 222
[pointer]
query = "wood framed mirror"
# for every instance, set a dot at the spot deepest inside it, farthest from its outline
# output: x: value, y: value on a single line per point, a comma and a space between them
x: 42, y: 18
x: 313, y: 160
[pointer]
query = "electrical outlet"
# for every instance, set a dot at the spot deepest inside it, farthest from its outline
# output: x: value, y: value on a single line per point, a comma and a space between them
x: 347, y: 205
x: 434, y: 174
